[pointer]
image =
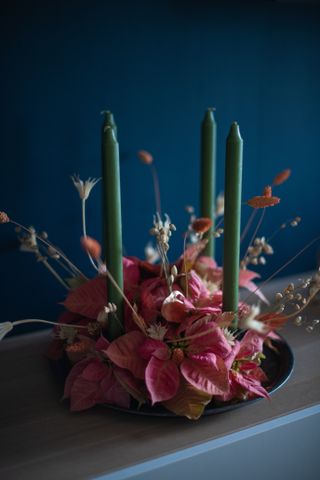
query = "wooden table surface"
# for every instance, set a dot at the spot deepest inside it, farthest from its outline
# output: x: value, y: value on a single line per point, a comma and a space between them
x: 41, y: 439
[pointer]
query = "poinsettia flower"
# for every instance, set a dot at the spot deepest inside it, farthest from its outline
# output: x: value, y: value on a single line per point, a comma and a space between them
x: 91, y: 382
x: 246, y: 375
x: 56, y: 348
x: 153, y: 293
x: 197, y: 290
x: 94, y: 381
x: 198, y: 358
x: 90, y: 298
x: 177, y: 308
x: 211, y: 273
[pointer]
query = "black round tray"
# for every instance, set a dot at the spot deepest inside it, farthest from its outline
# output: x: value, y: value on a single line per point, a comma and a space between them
x: 278, y: 367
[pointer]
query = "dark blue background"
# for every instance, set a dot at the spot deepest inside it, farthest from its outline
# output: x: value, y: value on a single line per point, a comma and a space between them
x: 158, y: 66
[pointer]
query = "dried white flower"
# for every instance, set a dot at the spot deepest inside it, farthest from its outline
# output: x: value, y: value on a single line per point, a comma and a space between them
x: 250, y: 321
x: 151, y: 253
x: 103, y: 315
x: 229, y: 336
x: 84, y: 188
x: 219, y: 211
x: 29, y: 241
x: 157, y: 331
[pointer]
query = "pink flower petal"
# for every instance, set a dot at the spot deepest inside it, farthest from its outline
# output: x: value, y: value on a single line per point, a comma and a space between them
x: 156, y: 348
x: 102, y: 344
x: 124, y: 353
x: 113, y: 393
x: 251, y: 343
x: 94, y: 371
x: 74, y: 373
x: 89, y: 299
x: 251, y: 385
x: 134, y: 387
x: 176, y: 307
x: 207, y: 373
x: 208, y: 338
x: 131, y: 271
x: 83, y: 395
x: 162, y: 379
x: 196, y: 289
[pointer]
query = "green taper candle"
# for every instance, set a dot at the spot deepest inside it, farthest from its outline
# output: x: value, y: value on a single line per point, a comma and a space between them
x: 208, y: 174
x: 232, y: 216
x: 109, y: 121
x: 112, y: 225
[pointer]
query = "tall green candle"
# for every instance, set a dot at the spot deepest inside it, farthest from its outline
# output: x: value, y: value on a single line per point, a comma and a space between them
x: 232, y: 216
x: 109, y: 121
x: 208, y: 174
x: 112, y: 225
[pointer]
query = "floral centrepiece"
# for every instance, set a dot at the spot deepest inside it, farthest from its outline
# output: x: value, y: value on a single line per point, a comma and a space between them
x: 178, y: 347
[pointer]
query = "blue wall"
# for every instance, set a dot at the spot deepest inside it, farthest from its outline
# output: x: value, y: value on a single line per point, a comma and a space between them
x: 157, y: 65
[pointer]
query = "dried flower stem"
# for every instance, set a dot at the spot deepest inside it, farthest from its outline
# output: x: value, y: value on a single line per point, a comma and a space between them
x: 263, y: 284
x: 184, y: 263
x: 192, y: 337
x: 297, y: 312
x: 165, y: 263
x: 255, y: 232
x: 52, y: 270
x: 248, y: 225
x: 84, y: 229
x: 50, y: 245
x: 156, y: 188
x: 138, y: 320
x: 37, y: 320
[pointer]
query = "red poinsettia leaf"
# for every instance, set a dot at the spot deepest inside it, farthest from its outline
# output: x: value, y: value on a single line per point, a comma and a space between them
x: 89, y: 299
x: 250, y: 384
x: 94, y: 371
x: 84, y: 394
x: 113, y: 392
x: 197, y: 291
x: 102, y: 344
x: 208, y: 338
x: 251, y: 343
x: 188, y: 401
x: 74, y: 373
x: 152, y: 347
x: 162, y: 379
x: 131, y: 385
x: 207, y: 373
x: 124, y: 353
x: 131, y: 271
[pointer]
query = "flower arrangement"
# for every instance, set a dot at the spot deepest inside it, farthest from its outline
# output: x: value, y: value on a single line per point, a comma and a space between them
x: 177, y: 346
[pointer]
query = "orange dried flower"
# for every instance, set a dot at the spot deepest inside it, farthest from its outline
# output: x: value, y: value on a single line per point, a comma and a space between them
x: 267, y: 191
x: 4, y: 217
x: 91, y: 246
x: 281, y: 177
x: 265, y: 200
x: 202, y: 224
x: 145, y: 157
